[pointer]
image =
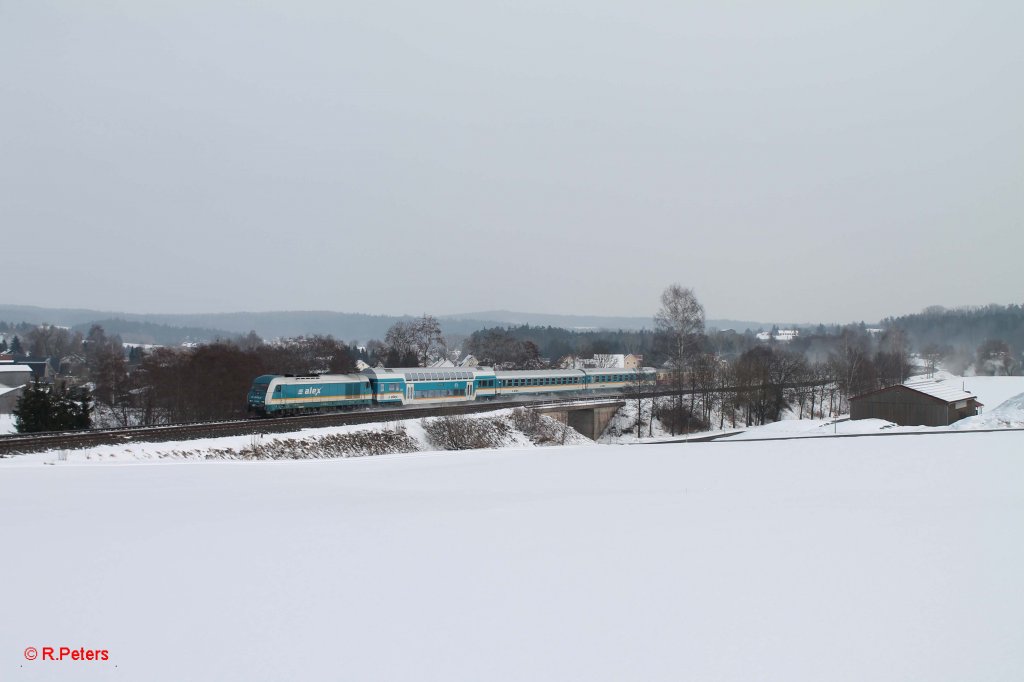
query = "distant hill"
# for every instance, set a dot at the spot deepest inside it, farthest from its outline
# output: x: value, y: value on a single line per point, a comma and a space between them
x: 592, y: 321
x: 171, y: 329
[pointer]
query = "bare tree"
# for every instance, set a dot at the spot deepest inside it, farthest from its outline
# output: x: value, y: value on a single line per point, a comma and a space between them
x: 419, y: 338
x: 401, y: 342
x: 679, y: 321
x: 638, y: 388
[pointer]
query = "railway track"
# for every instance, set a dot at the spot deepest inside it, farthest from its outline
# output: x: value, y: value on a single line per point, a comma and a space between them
x: 16, y: 444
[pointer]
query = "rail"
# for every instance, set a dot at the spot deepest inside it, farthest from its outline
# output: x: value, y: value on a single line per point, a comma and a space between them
x: 22, y: 443
x: 14, y: 444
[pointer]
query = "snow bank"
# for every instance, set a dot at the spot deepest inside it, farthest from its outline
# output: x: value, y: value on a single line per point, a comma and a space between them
x: 337, y: 441
x: 1009, y: 414
x: 799, y: 428
x: 622, y: 427
x: 882, y: 559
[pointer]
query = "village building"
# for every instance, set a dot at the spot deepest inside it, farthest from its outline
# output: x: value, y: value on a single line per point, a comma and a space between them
x: 13, y: 379
x: 919, y: 402
x: 605, y: 360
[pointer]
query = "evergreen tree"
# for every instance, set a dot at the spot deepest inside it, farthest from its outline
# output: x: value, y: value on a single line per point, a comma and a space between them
x: 33, y: 412
x: 40, y: 409
x: 3, y: 345
x: 16, y: 348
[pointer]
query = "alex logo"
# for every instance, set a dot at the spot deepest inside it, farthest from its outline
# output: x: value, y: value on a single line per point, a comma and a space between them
x: 310, y: 391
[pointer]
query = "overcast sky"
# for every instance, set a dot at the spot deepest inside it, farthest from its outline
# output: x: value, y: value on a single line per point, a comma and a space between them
x: 805, y: 161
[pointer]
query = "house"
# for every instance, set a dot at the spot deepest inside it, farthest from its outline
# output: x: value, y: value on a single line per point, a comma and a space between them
x: 9, y: 396
x: 12, y: 375
x: 918, y: 402
x: 13, y: 379
x: 604, y: 361
x: 780, y: 335
x: 43, y: 369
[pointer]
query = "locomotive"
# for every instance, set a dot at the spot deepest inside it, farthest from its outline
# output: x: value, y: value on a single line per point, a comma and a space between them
x: 272, y: 395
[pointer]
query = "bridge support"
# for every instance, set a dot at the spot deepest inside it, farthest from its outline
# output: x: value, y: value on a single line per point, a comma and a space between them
x: 590, y: 420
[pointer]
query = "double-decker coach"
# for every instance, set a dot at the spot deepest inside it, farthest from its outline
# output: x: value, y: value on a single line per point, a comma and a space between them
x: 423, y: 385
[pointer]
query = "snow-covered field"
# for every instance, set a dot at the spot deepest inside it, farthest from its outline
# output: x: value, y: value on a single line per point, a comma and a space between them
x: 818, y: 559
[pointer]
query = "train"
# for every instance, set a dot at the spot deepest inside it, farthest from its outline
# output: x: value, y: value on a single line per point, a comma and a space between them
x: 273, y: 395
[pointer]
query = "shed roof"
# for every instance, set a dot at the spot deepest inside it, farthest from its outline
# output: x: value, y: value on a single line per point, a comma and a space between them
x: 944, y: 390
x: 14, y: 368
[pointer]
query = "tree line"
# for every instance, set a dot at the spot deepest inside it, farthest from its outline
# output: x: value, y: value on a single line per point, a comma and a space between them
x: 720, y: 376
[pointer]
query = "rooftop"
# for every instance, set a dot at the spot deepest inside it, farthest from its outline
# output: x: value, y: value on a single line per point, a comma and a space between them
x: 944, y: 390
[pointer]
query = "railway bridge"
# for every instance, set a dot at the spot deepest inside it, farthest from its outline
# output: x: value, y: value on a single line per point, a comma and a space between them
x: 590, y: 419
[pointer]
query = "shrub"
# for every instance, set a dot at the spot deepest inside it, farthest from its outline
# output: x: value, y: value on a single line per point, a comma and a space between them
x: 462, y: 433
x: 540, y: 429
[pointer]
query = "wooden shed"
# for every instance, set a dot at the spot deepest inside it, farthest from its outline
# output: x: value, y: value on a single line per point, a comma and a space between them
x: 919, y: 402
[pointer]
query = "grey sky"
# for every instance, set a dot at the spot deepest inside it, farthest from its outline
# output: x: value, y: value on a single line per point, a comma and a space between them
x: 809, y: 161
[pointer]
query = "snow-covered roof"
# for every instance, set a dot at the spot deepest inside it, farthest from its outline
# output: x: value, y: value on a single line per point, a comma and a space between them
x: 14, y: 368
x: 944, y: 390
x: 5, y: 389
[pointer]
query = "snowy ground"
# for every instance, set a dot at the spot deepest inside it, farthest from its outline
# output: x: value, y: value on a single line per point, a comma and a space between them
x: 238, y: 447
x: 822, y: 559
